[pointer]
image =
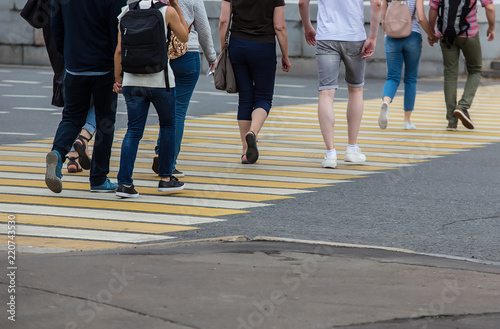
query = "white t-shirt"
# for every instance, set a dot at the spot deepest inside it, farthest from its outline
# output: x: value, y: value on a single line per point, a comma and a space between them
x: 154, y: 80
x: 341, y: 20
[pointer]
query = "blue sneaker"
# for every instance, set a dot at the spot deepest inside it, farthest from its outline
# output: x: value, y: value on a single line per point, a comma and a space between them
x: 53, y: 172
x: 106, y: 187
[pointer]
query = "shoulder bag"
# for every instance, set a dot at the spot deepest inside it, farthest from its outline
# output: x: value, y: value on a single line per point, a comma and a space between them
x: 223, y: 72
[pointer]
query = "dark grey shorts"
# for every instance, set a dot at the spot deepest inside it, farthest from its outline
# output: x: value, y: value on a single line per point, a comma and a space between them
x: 329, y: 54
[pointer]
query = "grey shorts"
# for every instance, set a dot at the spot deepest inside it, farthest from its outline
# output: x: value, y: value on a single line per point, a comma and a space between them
x: 329, y: 54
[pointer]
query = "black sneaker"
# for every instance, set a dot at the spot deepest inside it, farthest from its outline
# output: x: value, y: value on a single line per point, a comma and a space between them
x: 463, y: 115
x: 126, y: 192
x: 171, y: 186
x: 177, y: 173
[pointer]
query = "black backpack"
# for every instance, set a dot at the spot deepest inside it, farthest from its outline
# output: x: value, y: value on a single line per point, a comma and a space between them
x: 144, y: 44
x: 452, y: 18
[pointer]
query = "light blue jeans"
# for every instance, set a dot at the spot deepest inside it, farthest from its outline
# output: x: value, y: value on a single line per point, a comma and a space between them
x: 138, y: 100
x: 405, y: 51
x: 187, y: 71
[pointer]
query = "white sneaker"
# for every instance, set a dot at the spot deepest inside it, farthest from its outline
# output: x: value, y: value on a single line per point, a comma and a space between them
x: 356, y: 157
x: 329, y: 162
x: 409, y: 125
x: 383, y: 118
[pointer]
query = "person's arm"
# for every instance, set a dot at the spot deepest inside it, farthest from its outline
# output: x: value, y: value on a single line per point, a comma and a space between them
x: 225, y: 13
x: 490, y: 16
x: 370, y: 43
x: 384, y: 11
x: 305, y: 15
x: 117, y: 86
x: 433, y: 15
x: 57, y: 25
x: 424, y: 23
x: 202, y: 27
x: 175, y: 20
x: 281, y: 34
x: 114, y: 11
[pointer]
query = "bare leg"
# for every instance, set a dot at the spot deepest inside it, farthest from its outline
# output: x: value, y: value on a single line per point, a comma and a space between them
x: 407, y: 116
x: 259, y: 116
x: 326, y: 117
x: 354, y: 114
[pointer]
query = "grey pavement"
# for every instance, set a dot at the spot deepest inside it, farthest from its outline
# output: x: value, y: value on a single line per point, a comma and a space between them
x: 439, y: 207
x: 241, y: 283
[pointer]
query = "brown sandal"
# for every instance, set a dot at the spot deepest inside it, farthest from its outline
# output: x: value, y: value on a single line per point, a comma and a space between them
x: 81, y: 148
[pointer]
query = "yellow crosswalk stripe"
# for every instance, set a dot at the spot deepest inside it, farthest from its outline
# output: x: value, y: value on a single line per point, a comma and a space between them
x: 291, y: 150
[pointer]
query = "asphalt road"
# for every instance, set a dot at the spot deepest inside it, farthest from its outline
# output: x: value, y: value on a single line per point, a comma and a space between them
x: 445, y: 206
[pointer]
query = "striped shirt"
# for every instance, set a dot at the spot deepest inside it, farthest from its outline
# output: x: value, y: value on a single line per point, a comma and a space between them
x: 471, y: 18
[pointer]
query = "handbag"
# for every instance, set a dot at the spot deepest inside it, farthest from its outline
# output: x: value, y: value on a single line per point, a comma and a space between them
x: 177, y: 48
x: 223, y: 72
x: 36, y: 13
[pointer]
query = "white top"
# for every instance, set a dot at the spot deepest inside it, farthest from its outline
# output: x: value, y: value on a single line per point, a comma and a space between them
x: 154, y: 80
x: 341, y: 20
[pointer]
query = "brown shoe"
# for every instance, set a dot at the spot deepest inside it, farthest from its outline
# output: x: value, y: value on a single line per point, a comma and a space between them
x: 451, y: 127
x: 463, y: 115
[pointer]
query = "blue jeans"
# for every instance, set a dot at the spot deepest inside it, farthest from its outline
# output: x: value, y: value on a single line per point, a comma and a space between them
x: 78, y: 91
x: 187, y: 71
x: 138, y: 100
x: 254, y: 65
x: 398, y: 51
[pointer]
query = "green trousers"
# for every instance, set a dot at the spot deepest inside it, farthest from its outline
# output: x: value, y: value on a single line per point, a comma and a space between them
x: 471, y: 49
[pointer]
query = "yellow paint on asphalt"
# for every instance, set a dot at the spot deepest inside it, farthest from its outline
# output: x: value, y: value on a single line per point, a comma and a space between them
x: 66, y: 244
x: 95, y: 224
x: 122, y: 205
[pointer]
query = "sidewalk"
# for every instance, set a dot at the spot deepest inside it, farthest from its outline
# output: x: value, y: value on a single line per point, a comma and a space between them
x: 241, y: 283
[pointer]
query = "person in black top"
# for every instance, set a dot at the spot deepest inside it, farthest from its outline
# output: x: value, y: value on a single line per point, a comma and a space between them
x: 85, y: 33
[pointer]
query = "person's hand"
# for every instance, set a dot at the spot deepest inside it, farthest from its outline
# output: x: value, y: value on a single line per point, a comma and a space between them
x: 432, y: 39
x: 173, y: 3
x: 310, y: 36
x: 490, y: 33
x: 285, y: 64
x: 368, y: 48
x: 117, y: 87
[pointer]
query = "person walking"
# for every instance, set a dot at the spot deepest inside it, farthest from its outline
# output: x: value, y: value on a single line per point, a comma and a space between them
x: 340, y: 37
x: 187, y: 68
x: 85, y: 33
x: 56, y: 60
x: 468, y: 43
x: 255, y: 25
x: 140, y: 90
x: 407, y: 51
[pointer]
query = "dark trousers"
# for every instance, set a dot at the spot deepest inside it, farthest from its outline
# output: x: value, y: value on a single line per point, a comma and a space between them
x: 254, y: 65
x: 78, y: 91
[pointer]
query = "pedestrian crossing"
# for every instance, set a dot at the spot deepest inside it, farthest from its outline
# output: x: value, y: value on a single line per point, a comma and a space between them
x: 217, y: 184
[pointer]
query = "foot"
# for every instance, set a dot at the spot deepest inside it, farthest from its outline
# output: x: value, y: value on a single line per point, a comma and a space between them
x: 177, y: 173
x: 354, y: 156
x: 252, y: 151
x: 451, y: 127
x: 463, y: 115
x: 105, y: 187
x: 244, y: 159
x: 53, y: 174
x: 383, y: 118
x: 126, y: 191
x: 73, y: 166
x: 156, y: 165
x: 171, y: 186
x: 80, y: 146
x: 329, y: 162
x: 409, y: 126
